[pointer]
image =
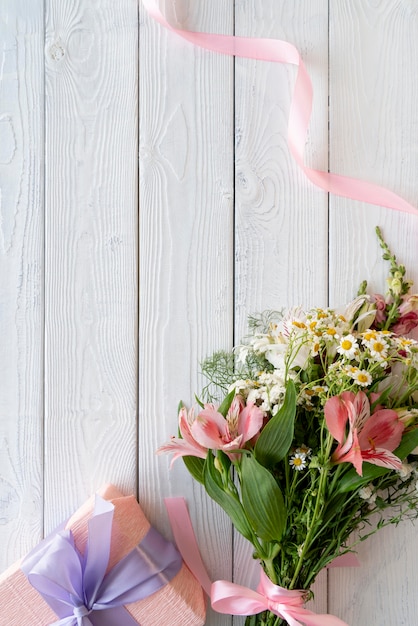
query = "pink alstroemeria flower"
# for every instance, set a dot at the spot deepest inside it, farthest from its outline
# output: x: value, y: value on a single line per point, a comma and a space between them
x: 212, y: 430
x: 187, y: 445
x: 370, y: 437
x: 380, y: 303
x: 406, y: 323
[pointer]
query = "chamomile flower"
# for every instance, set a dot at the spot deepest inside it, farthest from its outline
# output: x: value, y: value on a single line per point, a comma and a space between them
x: 378, y: 349
x: 361, y: 377
x: 303, y: 449
x: 348, y: 347
x: 330, y: 333
x: 315, y: 347
x: 298, y: 461
x: 306, y: 397
x: 318, y: 389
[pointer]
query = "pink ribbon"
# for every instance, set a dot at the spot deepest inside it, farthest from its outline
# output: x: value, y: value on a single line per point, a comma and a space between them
x: 235, y: 599
x: 278, y: 51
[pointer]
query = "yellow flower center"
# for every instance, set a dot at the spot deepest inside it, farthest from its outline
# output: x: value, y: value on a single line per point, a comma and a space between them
x: 346, y: 344
x: 298, y: 324
x: 362, y: 378
x: 378, y: 346
x: 297, y: 461
x: 405, y: 342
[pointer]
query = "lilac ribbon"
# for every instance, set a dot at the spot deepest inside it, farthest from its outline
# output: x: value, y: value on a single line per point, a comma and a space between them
x: 77, y: 587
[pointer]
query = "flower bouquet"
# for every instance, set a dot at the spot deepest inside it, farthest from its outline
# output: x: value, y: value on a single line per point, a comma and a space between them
x: 306, y: 431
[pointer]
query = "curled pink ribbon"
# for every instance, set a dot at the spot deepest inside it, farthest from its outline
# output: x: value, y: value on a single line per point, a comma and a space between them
x: 235, y: 599
x: 278, y: 51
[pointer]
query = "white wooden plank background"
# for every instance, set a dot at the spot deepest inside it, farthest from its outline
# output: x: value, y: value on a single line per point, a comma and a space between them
x: 94, y: 299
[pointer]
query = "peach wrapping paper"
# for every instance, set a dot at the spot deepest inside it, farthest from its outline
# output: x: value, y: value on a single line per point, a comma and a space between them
x: 181, y: 602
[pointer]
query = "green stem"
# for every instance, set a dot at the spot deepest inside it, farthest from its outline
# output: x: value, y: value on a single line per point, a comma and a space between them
x: 270, y: 571
x: 404, y: 399
x: 393, y: 314
x: 320, y: 498
x: 336, y: 477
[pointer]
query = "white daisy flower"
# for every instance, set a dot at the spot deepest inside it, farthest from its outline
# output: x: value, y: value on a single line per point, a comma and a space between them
x: 378, y: 349
x: 298, y: 461
x: 303, y: 449
x: 330, y: 333
x: 362, y: 377
x: 348, y: 347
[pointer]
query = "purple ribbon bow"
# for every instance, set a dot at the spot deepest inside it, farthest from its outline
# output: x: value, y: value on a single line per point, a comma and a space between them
x: 77, y: 587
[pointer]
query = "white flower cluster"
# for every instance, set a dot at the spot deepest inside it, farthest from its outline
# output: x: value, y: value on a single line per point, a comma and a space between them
x: 266, y: 391
x: 331, y: 337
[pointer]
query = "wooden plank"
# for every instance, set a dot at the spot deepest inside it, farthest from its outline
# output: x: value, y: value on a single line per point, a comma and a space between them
x: 21, y: 276
x: 281, y: 220
x: 186, y: 258
x: 91, y: 260
x: 373, y: 135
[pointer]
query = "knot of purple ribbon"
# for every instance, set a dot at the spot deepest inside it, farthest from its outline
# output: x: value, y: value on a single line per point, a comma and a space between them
x: 77, y: 587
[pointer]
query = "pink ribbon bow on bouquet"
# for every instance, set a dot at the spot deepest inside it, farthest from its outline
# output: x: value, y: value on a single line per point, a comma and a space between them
x: 235, y: 599
x: 288, y: 604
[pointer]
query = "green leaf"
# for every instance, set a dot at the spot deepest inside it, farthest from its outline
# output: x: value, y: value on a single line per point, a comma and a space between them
x: 408, y: 443
x: 277, y: 435
x: 382, y: 398
x: 229, y: 502
x: 225, y: 461
x: 262, y: 500
x: 351, y: 480
x: 195, y: 466
x: 224, y: 407
x: 200, y: 403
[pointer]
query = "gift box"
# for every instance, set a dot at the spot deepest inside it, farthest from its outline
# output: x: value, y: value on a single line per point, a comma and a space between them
x: 179, y: 601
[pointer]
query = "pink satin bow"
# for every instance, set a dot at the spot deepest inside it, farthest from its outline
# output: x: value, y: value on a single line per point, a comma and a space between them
x: 235, y: 599
x: 278, y: 51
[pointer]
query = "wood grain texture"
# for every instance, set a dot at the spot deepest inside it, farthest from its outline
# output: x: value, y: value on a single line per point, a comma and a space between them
x: 228, y: 225
x: 21, y: 276
x: 91, y: 244
x: 186, y: 256
x: 186, y: 234
x: 281, y: 220
x: 373, y: 135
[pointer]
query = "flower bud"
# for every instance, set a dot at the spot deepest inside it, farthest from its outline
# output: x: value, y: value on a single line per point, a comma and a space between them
x: 408, y: 417
x: 395, y: 285
x: 218, y: 465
